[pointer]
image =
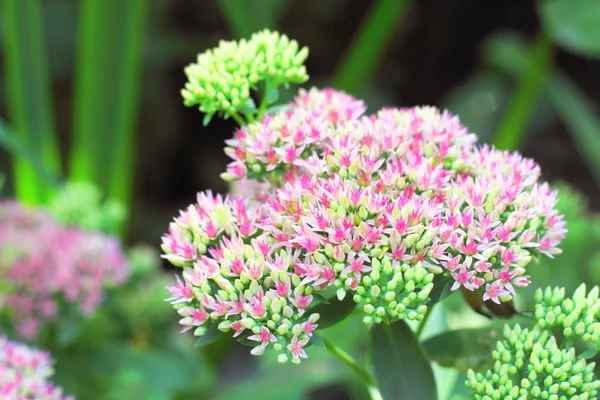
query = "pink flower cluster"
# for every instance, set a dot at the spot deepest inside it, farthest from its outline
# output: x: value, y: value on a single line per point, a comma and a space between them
x: 373, y: 206
x: 43, y: 264
x: 25, y: 373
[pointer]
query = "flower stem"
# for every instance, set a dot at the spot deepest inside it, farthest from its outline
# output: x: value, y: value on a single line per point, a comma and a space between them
x: 264, y: 102
x: 424, y: 321
x: 347, y: 359
x: 237, y: 118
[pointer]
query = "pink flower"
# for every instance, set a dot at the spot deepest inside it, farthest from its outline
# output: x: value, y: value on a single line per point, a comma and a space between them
x: 25, y: 373
x: 296, y: 348
x: 265, y: 337
x: 51, y: 263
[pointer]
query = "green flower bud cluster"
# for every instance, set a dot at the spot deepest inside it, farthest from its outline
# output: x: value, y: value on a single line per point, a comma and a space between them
x: 221, y: 79
x: 578, y: 316
x: 530, y: 365
x: 389, y: 294
x: 80, y: 205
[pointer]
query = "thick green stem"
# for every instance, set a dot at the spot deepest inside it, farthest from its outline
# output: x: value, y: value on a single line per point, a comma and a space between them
x: 522, y: 104
x: 362, y: 373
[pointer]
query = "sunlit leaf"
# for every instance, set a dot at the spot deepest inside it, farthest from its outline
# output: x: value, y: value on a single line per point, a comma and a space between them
x: 29, y: 97
x: 107, y: 83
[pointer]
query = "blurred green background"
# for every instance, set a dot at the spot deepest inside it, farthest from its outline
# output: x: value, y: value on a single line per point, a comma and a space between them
x: 89, y: 90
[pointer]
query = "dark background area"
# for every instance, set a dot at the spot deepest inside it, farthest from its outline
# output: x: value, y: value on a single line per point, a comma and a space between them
x: 435, y: 52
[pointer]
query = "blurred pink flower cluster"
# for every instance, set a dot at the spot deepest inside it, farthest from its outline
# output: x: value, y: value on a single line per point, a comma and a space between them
x: 43, y: 265
x: 374, y: 206
x: 25, y: 373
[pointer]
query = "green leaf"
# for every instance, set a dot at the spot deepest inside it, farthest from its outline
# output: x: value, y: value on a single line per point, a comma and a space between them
x: 333, y: 312
x: 29, y: 98
x: 108, y: 76
x: 247, y: 17
x: 441, y: 289
x: 278, y: 108
x: 13, y: 145
x: 402, y: 370
x: 465, y: 348
x: 212, y: 335
x: 573, y: 24
x: 368, y: 46
x: 316, y: 340
x: 249, y: 107
x: 272, y: 95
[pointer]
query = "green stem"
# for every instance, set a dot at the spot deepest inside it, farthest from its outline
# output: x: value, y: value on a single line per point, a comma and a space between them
x: 237, y: 118
x: 520, y: 107
x: 264, y: 103
x: 362, y: 373
x: 424, y: 320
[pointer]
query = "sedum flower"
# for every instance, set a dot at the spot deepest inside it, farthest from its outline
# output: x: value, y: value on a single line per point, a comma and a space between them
x: 495, y: 216
x: 234, y: 280
x: 329, y: 105
x: 25, y: 373
x: 530, y: 365
x: 221, y: 79
x: 577, y: 316
x: 374, y: 246
x: 43, y: 265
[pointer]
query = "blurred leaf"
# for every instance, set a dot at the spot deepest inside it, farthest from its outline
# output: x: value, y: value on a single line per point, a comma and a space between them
x: 402, y: 370
x: 212, y: 335
x: 247, y: 17
x: 510, y: 54
x: 465, y: 348
x: 573, y: 24
x: 368, y: 45
x: 13, y: 145
x: 29, y: 98
x: 478, y: 102
x: 520, y: 107
x: 333, y: 312
x: 108, y: 74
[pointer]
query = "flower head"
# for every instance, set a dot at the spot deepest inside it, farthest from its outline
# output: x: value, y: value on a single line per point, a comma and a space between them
x: 43, y: 263
x: 530, y: 364
x: 25, y: 373
x: 221, y: 79
x: 578, y: 316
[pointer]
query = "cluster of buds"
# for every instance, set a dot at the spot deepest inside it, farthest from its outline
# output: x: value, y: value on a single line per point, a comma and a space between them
x: 530, y: 365
x: 43, y: 264
x: 80, y: 205
x: 578, y: 316
x: 221, y: 79
x: 25, y: 373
